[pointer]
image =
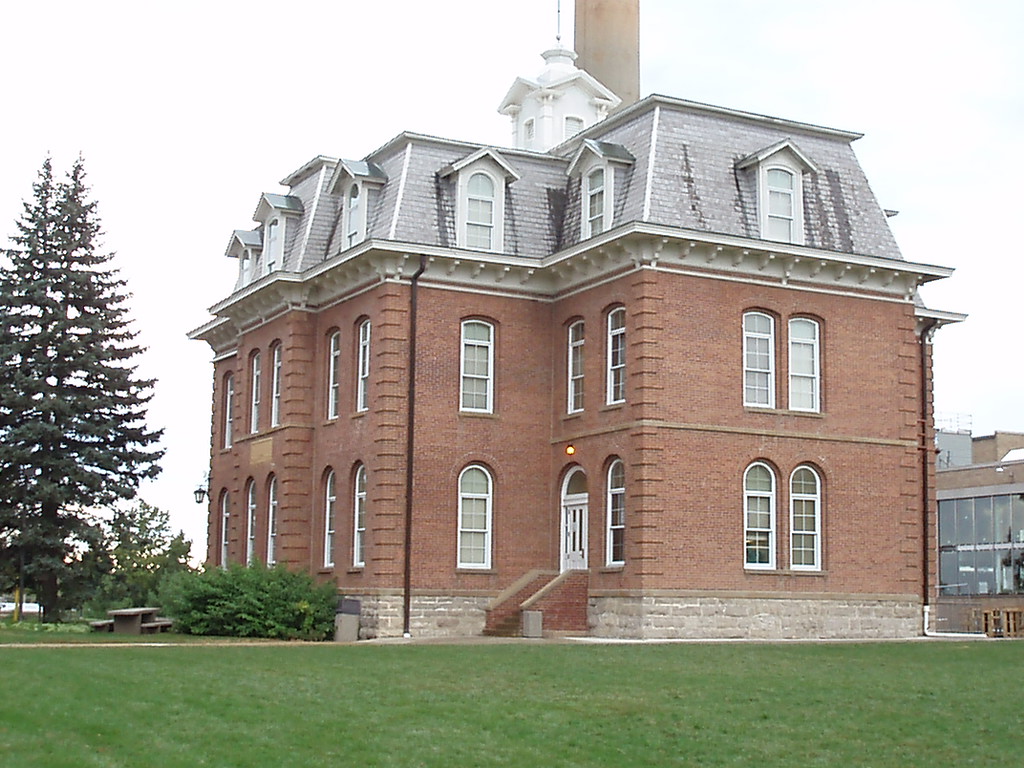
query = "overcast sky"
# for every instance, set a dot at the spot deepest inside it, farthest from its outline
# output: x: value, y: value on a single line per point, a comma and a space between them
x: 186, y: 112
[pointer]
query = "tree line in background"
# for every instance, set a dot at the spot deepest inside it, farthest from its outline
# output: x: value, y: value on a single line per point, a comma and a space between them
x: 73, y: 432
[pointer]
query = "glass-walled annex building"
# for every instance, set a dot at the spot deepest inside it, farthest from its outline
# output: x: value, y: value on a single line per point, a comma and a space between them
x: 981, y: 545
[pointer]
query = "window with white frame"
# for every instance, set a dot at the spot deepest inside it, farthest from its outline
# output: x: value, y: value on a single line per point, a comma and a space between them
x: 272, y: 521
x: 781, y: 215
x: 804, y: 366
x: 333, y: 375
x: 275, y: 385
x: 616, y: 387
x: 229, y: 410
x: 477, y: 387
x: 254, y: 392
x: 355, y: 216
x: 225, y: 519
x: 475, y: 500
x: 616, y: 552
x: 529, y: 133
x: 359, y: 519
x: 594, y: 213
x: 575, y: 367
x: 363, y: 375
x: 250, y: 518
x: 759, y: 516
x: 758, y: 360
x: 573, y: 125
x: 273, y: 251
x: 805, y: 520
x: 330, y: 505
x: 480, y: 210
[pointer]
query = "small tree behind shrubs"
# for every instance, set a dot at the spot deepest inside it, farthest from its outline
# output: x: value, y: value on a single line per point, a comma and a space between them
x: 253, y: 601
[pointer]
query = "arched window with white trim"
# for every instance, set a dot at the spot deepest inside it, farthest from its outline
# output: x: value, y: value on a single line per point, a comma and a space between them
x: 229, y: 410
x: 276, y: 381
x: 575, y: 368
x: 250, y: 521
x: 616, y: 384
x: 255, y: 387
x: 804, y: 365
x: 225, y: 519
x: 616, y: 539
x: 330, y: 505
x: 334, y: 375
x: 805, y: 519
x: 477, y: 380
x: 758, y: 360
x: 475, y: 510
x: 480, y: 211
x: 759, y: 516
x: 359, y: 518
x: 272, y: 521
x: 363, y: 367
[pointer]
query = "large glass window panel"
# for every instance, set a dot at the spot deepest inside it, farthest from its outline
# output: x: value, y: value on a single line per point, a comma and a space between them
x: 947, y: 523
x: 1002, y: 519
x: 965, y: 521
x: 1017, y: 502
x: 983, y: 520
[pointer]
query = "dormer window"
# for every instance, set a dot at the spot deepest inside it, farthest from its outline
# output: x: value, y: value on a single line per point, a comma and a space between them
x: 780, y: 177
x: 594, y: 200
x: 355, y: 219
x: 481, y: 182
x: 595, y: 163
x: 480, y: 212
x: 355, y: 182
x: 781, y: 214
x: 273, y: 251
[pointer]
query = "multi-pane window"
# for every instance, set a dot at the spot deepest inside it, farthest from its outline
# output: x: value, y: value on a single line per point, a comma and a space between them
x: 594, y: 202
x: 616, y: 513
x: 475, y: 498
x: 575, y: 367
x: 781, y: 205
x: 273, y: 248
x: 758, y: 360
x: 250, y: 521
x: 225, y: 519
x: 359, y: 518
x: 480, y: 212
x: 254, y: 393
x: 477, y: 387
x: 759, y: 516
x: 363, y: 380
x: 229, y: 409
x: 334, y: 375
x: 353, y: 216
x: 804, y: 368
x: 805, y: 520
x: 616, y: 385
x: 275, y: 385
x: 272, y: 521
x: 330, y: 504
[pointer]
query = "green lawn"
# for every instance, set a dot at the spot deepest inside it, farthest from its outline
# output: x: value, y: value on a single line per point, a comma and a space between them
x: 900, y: 704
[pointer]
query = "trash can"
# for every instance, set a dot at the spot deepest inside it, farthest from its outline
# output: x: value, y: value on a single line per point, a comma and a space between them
x: 346, y: 621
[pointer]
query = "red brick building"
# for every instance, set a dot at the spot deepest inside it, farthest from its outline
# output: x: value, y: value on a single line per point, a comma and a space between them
x: 655, y: 372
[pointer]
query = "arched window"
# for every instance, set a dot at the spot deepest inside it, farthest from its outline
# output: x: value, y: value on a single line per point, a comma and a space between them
x: 616, y: 554
x: 363, y: 367
x: 575, y: 367
x: 758, y: 360
x: 272, y: 521
x: 781, y: 205
x: 229, y: 410
x: 359, y: 518
x: 475, y: 499
x: 594, y: 218
x: 273, y: 249
x: 275, y: 385
x: 616, y: 356
x: 804, y: 366
x: 480, y: 212
x: 254, y: 392
x: 477, y: 390
x: 250, y: 521
x: 225, y: 519
x: 353, y: 216
x: 330, y: 503
x: 805, y: 519
x: 759, y: 516
x: 334, y: 375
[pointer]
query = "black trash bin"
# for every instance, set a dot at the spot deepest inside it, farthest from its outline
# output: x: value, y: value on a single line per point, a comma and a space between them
x: 346, y: 620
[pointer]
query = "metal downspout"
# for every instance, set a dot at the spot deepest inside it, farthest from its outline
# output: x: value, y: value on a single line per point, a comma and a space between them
x: 409, y: 445
x: 924, y: 448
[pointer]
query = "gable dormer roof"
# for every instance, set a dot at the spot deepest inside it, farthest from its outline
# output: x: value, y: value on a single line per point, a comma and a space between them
x: 756, y: 158
x: 270, y: 202
x: 242, y: 239
x: 603, y: 150
x: 356, y: 169
x: 484, y: 152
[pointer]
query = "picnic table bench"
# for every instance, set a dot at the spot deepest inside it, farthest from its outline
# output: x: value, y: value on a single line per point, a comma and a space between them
x: 133, y: 621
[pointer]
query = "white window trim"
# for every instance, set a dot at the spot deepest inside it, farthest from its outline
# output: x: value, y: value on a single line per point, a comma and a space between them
x: 615, y: 370
x: 333, y: 375
x: 574, y: 402
x: 272, y: 521
x: 363, y: 367
x: 359, y: 518
x: 488, y: 377
x: 250, y: 517
x: 354, y: 226
x: 462, y: 216
x: 770, y: 371
x: 488, y: 498
x: 225, y: 519
x: 815, y: 376
x: 816, y: 498
x: 330, y: 517
x: 275, y: 386
x: 566, y: 133
x: 611, y: 527
x: 608, y: 192
x: 273, y: 251
x: 771, y: 530
x: 780, y: 162
x: 255, y: 385
x: 229, y: 410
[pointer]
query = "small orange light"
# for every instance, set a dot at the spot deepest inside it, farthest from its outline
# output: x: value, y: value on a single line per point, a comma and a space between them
x: 570, y: 450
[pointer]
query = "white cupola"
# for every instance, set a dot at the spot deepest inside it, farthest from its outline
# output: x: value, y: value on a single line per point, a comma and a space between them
x: 560, y: 103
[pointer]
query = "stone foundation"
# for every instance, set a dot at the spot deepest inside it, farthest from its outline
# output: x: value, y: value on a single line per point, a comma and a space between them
x: 429, y: 615
x: 754, y: 618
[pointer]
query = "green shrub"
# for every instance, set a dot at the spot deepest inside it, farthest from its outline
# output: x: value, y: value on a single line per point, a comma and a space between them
x: 254, y: 601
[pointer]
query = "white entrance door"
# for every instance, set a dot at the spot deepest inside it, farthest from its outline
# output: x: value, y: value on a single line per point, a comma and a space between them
x: 574, y: 532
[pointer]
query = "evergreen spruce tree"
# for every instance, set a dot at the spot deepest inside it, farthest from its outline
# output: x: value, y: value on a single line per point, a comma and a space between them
x: 73, y: 436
